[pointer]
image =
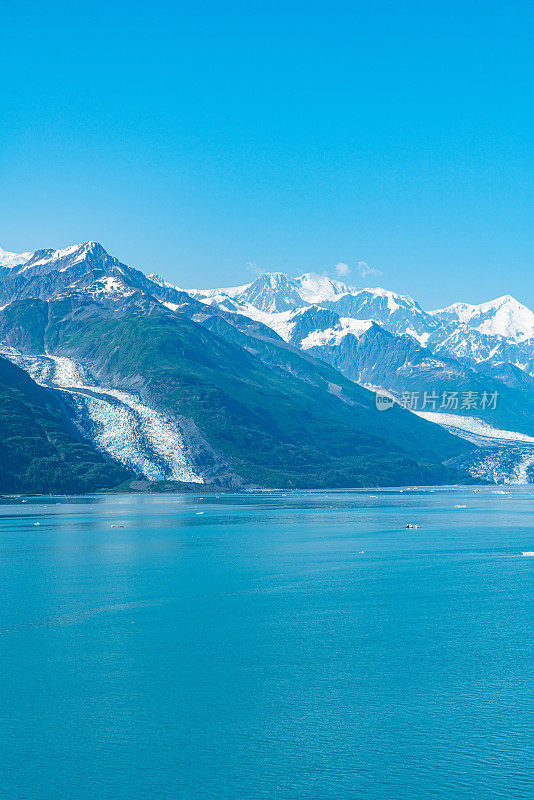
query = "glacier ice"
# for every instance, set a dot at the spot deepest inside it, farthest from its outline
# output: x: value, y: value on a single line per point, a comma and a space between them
x: 117, y: 422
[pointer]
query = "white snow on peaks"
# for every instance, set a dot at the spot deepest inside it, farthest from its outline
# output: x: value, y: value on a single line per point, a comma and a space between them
x: 228, y: 291
x: 311, y: 288
x: 462, y: 311
x: 276, y: 279
x: 72, y: 254
x: 162, y: 282
x: 394, y: 301
x: 391, y: 297
x: 510, y: 319
x: 504, y: 316
x: 57, y: 255
x: 318, y: 288
x: 333, y: 336
x: 10, y: 260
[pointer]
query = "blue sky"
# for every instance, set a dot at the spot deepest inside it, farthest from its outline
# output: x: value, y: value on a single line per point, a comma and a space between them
x: 207, y: 140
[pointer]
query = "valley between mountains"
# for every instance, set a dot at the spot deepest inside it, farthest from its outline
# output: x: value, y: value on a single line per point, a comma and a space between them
x: 113, y: 378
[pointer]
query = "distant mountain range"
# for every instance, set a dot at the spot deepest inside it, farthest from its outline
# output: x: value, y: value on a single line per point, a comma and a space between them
x: 461, y: 330
x: 386, y: 341
x: 269, y: 384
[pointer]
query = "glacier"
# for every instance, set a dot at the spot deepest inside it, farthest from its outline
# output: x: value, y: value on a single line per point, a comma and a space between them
x: 374, y: 336
x: 504, y: 457
x: 149, y: 442
x: 325, y: 318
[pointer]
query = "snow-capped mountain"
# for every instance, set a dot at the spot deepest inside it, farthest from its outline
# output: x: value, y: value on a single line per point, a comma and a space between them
x: 504, y: 316
x: 182, y: 389
x: 10, y: 260
x: 384, y: 340
x: 371, y: 336
x: 84, y: 268
x: 396, y: 313
x: 274, y: 299
x: 275, y: 292
x: 499, y: 331
x: 304, y: 311
x: 472, y: 346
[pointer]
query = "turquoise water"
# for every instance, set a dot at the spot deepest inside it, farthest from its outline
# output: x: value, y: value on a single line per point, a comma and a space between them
x: 253, y: 651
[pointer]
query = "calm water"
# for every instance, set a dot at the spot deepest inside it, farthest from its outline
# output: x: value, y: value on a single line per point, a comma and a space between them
x: 252, y: 651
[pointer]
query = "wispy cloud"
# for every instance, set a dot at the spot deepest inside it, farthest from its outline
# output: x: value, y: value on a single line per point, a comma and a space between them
x: 253, y: 267
x: 342, y: 269
x: 365, y: 269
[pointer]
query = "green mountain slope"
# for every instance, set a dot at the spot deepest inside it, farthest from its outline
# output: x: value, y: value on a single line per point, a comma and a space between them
x: 273, y: 427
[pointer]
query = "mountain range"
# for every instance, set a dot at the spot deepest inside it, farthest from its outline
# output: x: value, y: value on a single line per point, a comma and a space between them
x: 271, y: 384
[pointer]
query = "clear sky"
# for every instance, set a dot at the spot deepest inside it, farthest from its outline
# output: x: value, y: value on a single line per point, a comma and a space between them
x: 206, y: 140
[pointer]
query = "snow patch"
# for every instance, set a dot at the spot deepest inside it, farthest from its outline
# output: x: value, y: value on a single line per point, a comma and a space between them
x: 319, y: 288
x: 334, y: 336
x: 10, y: 260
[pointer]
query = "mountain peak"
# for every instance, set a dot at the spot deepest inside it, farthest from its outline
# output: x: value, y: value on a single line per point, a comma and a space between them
x: 10, y: 260
x: 273, y: 292
x: 53, y: 273
x: 504, y: 316
x: 318, y: 288
x: 504, y: 300
x: 394, y: 299
x: 73, y: 253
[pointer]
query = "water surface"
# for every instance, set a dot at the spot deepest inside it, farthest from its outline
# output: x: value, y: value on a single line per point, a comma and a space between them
x: 270, y: 645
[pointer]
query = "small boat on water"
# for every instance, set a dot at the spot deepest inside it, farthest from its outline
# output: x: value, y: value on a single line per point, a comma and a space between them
x: 411, y: 525
x: 529, y: 553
